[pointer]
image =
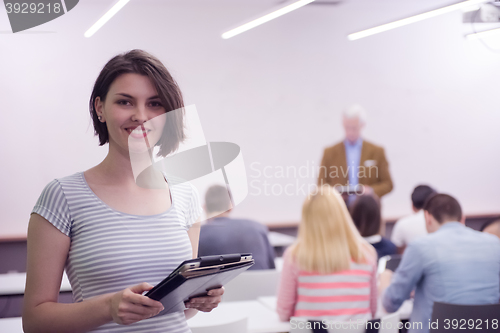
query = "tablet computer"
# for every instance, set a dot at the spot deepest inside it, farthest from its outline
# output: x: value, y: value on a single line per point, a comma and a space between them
x: 195, y: 277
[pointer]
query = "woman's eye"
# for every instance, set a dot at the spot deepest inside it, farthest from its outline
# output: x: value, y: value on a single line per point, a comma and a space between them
x: 123, y: 102
x: 156, y: 104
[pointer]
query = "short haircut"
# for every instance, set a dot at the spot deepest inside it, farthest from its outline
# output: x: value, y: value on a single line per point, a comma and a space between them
x: 218, y: 199
x: 142, y: 63
x: 365, y: 213
x: 355, y: 111
x: 443, y: 207
x: 420, y: 195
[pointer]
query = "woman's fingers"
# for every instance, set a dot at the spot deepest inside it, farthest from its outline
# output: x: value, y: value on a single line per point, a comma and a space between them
x: 129, y: 305
x: 216, y: 292
x: 134, y: 295
x: 207, y: 303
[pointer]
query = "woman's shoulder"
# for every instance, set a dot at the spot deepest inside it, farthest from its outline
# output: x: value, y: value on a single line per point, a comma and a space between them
x: 56, y: 184
x: 388, y: 246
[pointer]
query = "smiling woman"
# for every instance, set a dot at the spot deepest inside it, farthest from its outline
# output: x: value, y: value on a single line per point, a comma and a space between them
x: 155, y: 80
x: 114, y: 238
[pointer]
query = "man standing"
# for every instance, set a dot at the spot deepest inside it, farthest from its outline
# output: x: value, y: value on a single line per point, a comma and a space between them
x: 453, y: 264
x: 354, y: 161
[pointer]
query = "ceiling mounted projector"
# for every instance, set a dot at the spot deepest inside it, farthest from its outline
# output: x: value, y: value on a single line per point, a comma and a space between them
x: 485, y: 13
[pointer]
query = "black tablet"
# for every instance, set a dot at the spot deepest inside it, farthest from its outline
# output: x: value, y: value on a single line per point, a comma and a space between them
x: 195, y: 277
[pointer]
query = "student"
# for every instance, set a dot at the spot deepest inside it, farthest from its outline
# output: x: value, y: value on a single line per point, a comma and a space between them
x: 330, y: 271
x: 365, y: 212
x: 453, y: 264
x: 114, y: 238
x: 412, y: 227
x: 223, y: 234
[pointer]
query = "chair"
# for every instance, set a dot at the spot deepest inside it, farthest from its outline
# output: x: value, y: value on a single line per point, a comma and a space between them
x: 451, y: 318
x: 252, y: 284
x: 239, y: 326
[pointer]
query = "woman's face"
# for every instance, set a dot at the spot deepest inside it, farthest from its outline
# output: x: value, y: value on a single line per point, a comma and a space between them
x: 132, y: 101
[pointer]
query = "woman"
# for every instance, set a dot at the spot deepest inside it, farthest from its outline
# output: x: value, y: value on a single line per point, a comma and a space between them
x: 330, y: 272
x: 365, y: 212
x: 117, y: 239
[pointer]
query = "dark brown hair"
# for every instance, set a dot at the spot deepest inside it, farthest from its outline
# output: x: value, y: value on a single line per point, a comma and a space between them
x: 365, y: 213
x: 420, y: 195
x: 142, y: 63
x: 443, y: 207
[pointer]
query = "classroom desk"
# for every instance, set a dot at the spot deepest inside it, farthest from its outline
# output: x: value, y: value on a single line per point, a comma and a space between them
x: 13, y: 284
x: 261, y: 319
x: 277, y: 239
x: 11, y: 325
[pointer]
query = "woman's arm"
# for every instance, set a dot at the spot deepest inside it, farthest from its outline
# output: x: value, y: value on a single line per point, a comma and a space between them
x: 47, y: 253
x: 287, y: 291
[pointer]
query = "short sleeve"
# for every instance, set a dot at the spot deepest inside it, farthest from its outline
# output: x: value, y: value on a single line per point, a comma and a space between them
x: 193, y: 208
x: 52, y: 206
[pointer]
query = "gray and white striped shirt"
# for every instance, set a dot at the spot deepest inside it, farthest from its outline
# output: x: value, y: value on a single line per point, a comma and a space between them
x: 112, y: 250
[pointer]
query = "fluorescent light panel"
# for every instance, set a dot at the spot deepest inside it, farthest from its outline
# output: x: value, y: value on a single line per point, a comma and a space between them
x: 413, y: 19
x: 487, y: 33
x: 265, y: 18
x: 105, y: 18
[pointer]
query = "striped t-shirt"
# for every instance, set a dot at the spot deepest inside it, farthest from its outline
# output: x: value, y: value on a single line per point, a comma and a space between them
x: 112, y: 250
x: 338, y: 297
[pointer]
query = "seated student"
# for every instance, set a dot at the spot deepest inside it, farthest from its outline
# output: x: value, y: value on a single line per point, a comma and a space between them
x: 453, y: 264
x: 330, y: 272
x: 222, y: 234
x: 411, y: 227
x: 492, y: 227
x: 365, y: 212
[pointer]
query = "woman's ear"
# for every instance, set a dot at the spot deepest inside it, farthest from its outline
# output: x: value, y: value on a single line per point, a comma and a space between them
x: 98, y: 106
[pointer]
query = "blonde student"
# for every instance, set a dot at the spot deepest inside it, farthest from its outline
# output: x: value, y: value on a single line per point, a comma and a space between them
x: 330, y: 271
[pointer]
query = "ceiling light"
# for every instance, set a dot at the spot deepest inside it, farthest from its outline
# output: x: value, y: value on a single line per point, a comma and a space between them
x: 265, y: 18
x: 483, y: 34
x: 105, y: 18
x: 413, y: 19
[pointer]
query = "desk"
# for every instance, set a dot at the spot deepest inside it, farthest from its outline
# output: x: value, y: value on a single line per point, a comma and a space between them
x: 14, y: 283
x: 278, y: 239
x: 261, y: 319
x: 11, y: 325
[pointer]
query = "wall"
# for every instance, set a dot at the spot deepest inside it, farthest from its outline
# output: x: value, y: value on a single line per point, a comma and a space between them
x: 277, y: 91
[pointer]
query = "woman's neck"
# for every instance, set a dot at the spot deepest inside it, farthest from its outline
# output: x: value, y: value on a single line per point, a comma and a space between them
x: 129, y: 169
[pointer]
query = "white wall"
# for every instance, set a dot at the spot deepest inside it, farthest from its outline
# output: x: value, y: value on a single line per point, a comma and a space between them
x: 277, y: 91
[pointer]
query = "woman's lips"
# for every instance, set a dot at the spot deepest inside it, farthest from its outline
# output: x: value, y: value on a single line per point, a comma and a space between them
x: 138, y: 133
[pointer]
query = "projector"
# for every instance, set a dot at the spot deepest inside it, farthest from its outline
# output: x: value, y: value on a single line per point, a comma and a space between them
x: 486, y: 13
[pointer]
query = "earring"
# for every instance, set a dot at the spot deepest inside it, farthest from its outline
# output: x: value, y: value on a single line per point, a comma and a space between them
x: 99, y: 117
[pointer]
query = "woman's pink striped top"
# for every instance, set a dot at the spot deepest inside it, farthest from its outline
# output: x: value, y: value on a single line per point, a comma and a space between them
x: 341, y: 296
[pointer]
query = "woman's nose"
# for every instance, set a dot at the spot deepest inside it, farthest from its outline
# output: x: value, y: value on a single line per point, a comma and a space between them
x: 140, y: 115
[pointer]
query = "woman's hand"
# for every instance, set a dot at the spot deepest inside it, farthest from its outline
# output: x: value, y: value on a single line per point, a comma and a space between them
x: 206, y: 303
x: 129, y: 305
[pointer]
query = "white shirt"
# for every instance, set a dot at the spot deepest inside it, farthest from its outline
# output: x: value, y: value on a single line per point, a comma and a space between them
x: 408, y: 229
